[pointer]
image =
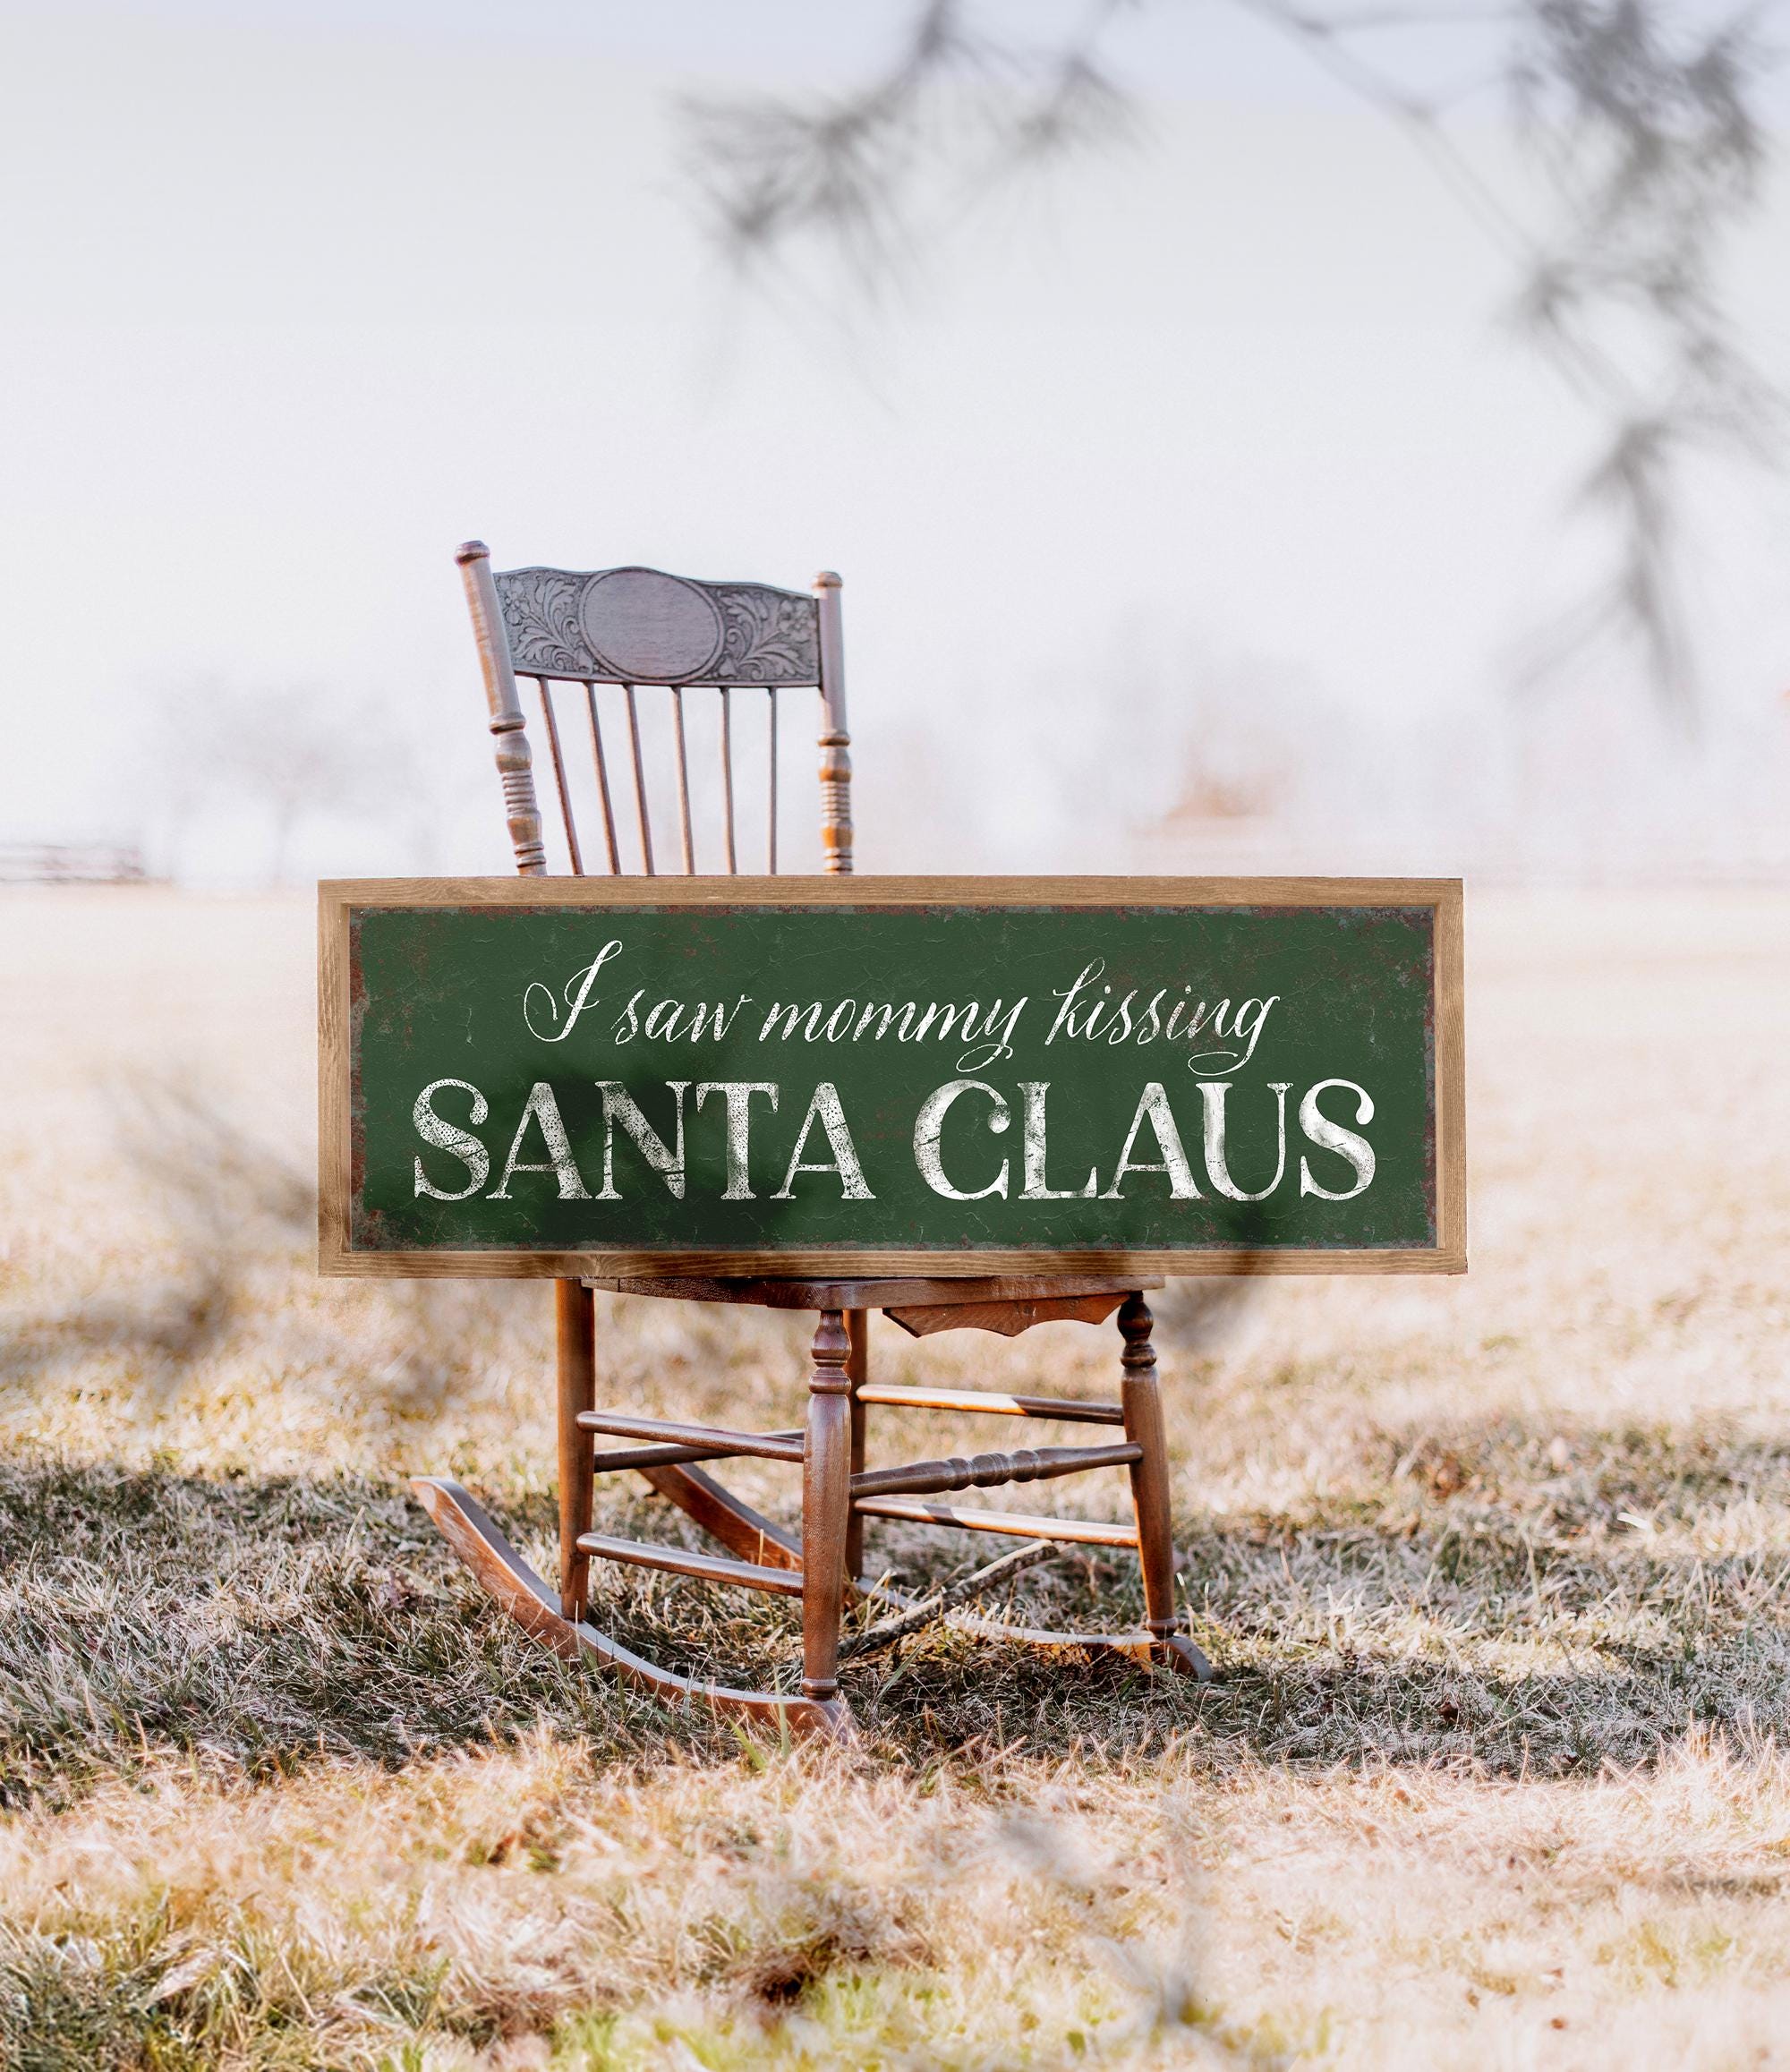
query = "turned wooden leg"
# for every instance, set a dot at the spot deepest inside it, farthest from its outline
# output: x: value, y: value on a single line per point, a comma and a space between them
x: 826, y: 1505
x: 575, y: 1311
x: 1143, y: 1405
x: 857, y: 1372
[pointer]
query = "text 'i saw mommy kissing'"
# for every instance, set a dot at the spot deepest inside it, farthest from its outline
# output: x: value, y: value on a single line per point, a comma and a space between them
x: 796, y: 1130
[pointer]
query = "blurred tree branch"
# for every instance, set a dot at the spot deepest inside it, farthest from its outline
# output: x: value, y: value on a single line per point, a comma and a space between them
x: 1641, y: 126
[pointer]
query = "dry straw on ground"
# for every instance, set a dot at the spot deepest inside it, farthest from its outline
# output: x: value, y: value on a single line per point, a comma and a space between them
x: 1496, y: 1571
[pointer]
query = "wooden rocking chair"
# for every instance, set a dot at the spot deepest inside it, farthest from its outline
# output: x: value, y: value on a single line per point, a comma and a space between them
x: 635, y: 627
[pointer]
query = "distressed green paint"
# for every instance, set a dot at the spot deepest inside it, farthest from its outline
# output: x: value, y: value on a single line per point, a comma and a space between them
x: 438, y: 992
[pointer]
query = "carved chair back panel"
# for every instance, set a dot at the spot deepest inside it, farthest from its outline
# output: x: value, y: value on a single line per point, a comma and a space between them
x: 642, y: 626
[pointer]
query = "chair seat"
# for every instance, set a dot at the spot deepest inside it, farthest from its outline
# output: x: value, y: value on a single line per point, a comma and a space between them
x: 906, y: 1295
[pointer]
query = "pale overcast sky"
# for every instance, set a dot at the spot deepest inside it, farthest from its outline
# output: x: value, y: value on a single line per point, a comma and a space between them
x: 299, y: 296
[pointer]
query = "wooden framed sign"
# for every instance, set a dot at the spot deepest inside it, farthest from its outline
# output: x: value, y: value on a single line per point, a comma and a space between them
x: 887, y: 1076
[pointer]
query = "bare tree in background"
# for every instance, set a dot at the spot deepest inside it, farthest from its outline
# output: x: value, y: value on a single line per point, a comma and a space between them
x: 1642, y: 125
x: 290, y: 754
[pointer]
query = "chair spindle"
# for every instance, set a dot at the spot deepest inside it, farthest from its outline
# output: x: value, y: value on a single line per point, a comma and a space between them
x: 640, y: 785
x: 771, y: 823
x: 727, y: 780
x: 560, y: 777
x: 683, y: 782
x: 603, y: 781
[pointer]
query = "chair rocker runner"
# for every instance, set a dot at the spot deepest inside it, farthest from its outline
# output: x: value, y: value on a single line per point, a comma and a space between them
x: 632, y: 629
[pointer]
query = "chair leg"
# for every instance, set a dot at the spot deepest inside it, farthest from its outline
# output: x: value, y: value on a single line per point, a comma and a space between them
x: 556, y: 1618
x: 1143, y: 1404
x: 826, y: 1505
x: 575, y: 1313
x: 857, y: 1371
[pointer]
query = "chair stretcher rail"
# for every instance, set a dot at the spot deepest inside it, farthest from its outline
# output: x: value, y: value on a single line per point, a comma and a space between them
x: 762, y: 1445
x: 681, y: 1561
x: 994, y: 1404
x: 986, y: 1470
x: 624, y: 1457
x: 1070, y: 1531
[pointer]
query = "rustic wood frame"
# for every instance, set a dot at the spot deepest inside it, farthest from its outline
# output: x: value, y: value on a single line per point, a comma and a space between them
x: 337, y: 896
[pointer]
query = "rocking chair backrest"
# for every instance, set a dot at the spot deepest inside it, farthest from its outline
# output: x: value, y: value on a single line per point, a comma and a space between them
x: 637, y: 628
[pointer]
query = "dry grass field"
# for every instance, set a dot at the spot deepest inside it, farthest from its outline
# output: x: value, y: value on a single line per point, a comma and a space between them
x: 1498, y: 1774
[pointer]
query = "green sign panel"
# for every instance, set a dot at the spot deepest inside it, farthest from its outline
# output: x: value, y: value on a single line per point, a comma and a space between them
x: 885, y: 1076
